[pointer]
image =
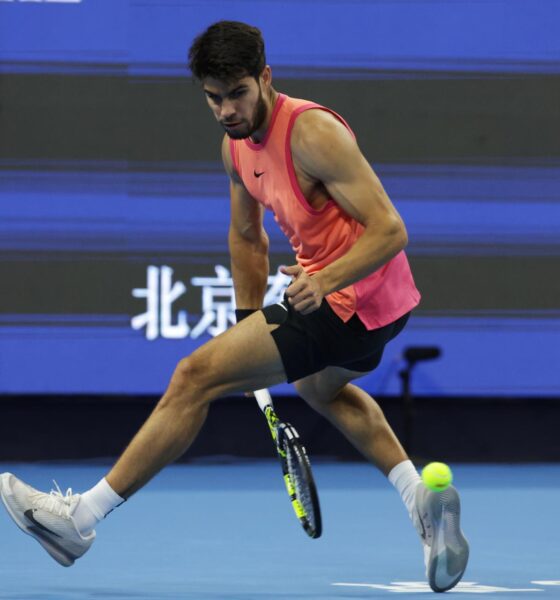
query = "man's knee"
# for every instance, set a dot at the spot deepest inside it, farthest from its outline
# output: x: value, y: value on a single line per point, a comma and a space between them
x: 190, y: 383
x: 315, y: 391
x: 305, y: 388
x: 186, y: 372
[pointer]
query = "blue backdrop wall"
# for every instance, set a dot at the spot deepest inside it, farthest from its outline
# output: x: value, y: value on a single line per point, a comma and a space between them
x: 113, y: 244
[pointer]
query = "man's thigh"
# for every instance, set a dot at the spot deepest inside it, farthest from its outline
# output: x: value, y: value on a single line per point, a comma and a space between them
x: 311, y: 343
x: 326, y: 384
x: 243, y: 358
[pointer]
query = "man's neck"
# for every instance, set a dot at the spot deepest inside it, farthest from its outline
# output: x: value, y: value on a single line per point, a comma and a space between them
x: 258, y: 136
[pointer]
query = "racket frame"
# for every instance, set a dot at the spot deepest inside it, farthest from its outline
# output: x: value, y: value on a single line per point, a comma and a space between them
x: 285, y: 435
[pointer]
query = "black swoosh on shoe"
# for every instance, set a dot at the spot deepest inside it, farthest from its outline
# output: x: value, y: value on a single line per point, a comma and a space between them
x: 423, y: 534
x: 49, y: 544
x: 30, y: 517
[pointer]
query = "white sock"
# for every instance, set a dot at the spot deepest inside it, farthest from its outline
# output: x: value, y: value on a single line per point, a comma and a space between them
x: 405, y: 478
x: 94, y: 506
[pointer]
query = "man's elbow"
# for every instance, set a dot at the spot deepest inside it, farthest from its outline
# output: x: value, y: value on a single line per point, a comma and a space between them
x: 396, y: 232
x: 249, y: 237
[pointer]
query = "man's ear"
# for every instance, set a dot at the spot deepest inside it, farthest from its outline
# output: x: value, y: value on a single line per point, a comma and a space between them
x: 266, y: 76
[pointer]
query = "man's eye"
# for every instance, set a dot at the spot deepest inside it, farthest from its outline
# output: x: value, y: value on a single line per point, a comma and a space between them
x: 237, y: 94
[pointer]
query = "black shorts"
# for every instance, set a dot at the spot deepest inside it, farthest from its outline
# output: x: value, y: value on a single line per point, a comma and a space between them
x: 309, y: 343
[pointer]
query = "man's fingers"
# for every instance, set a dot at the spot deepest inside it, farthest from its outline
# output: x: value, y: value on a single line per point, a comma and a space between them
x: 306, y: 306
x: 301, y: 293
x: 295, y: 288
x: 302, y: 299
x: 292, y: 271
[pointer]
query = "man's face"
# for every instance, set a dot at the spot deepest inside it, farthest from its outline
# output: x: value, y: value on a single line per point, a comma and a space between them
x: 238, y: 106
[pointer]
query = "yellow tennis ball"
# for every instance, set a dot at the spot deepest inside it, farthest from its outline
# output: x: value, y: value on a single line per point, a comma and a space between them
x: 437, y: 476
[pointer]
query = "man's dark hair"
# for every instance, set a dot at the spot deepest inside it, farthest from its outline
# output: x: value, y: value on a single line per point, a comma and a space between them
x: 228, y: 51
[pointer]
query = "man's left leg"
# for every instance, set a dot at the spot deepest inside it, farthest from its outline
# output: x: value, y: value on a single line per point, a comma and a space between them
x: 435, y: 515
x: 358, y: 416
x: 354, y: 413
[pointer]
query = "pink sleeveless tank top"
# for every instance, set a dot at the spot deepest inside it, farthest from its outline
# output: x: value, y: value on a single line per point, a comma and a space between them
x: 319, y: 237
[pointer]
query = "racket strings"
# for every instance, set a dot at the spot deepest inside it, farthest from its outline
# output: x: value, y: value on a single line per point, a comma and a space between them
x: 299, y: 481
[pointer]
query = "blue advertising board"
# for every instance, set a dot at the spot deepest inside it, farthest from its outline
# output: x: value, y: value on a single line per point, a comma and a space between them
x: 358, y: 36
x: 114, y: 270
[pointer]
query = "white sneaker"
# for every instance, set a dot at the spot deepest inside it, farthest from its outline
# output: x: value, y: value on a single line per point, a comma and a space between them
x: 446, y: 551
x: 46, y: 517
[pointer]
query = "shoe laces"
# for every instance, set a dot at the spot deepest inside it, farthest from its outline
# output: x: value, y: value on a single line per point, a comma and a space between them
x: 55, y: 502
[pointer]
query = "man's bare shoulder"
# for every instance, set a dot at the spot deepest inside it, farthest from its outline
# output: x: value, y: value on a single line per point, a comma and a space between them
x: 315, y: 127
x: 320, y: 141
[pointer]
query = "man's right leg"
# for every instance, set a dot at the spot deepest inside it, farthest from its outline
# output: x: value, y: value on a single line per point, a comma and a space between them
x: 243, y: 358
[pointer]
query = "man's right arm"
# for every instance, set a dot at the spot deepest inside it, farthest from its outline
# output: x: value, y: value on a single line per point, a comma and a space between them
x: 248, y: 242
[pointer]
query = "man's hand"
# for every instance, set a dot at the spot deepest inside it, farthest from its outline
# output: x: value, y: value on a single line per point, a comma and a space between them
x: 304, y: 293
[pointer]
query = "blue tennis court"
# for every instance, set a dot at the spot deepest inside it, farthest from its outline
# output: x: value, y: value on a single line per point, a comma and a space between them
x: 226, y: 531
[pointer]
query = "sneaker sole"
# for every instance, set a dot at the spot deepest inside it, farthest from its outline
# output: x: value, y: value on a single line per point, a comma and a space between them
x: 55, y: 550
x: 449, y: 552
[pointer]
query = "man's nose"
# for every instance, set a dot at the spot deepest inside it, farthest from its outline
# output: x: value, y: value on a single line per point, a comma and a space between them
x: 227, y: 110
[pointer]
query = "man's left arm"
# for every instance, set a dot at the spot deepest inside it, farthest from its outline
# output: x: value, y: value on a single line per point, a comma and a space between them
x: 326, y: 151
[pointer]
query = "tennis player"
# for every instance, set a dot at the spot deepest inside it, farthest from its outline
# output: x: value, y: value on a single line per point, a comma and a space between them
x: 352, y: 292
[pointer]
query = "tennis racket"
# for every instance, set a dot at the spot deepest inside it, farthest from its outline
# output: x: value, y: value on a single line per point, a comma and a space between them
x: 296, y: 468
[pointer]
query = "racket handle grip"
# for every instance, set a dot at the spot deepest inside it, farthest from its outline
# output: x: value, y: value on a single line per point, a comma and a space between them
x: 263, y: 398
